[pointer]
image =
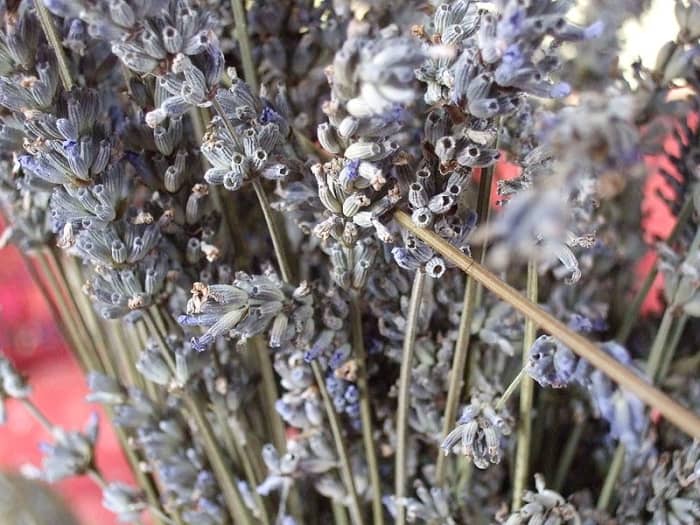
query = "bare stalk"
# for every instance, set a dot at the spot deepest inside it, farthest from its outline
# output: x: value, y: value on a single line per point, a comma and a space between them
x: 269, y: 393
x: 345, y: 468
x: 510, y: 390
x: 680, y: 416
x: 241, y: 33
x: 569, y: 452
x: 524, y: 432
x: 273, y: 228
x: 358, y: 345
x: 409, y: 344
x: 459, y: 373
x: 38, y: 415
x: 454, y: 390
x: 49, y: 29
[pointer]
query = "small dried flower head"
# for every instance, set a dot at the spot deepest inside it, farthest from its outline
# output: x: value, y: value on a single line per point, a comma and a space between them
x: 479, y: 432
x: 543, y: 506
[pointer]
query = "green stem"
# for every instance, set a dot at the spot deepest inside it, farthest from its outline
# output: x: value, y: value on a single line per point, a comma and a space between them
x: 345, y: 468
x: 358, y: 345
x: 522, y: 454
x: 409, y: 344
x: 673, y: 341
x: 241, y: 33
x: 273, y: 228
x: 454, y: 390
x: 658, y: 348
x: 49, y: 29
x: 510, y: 390
x: 340, y: 515
x: 613, y: 473
x: 568, y: 454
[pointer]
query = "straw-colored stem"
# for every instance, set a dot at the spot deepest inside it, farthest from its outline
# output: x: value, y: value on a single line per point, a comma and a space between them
x: 358, y: 345
x: 454, y: 390
x: 49, y: 29
x: 222, y: 473
x: 336, y: 431
x: 409, y: 345
x: 70, y: 273
x: 524, y: 432
x: 632, y: 313
x: 269, y: 394
x: 70, y: 312
x: 241, y: 33
x: 680, y: 416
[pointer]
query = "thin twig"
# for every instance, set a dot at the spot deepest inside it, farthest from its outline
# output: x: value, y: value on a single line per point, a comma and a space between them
x: 454, y: 390
x: 510, y: 390
x: 680, y: 416
x: 49, y: 29
x: 269, y: 393
x: 524, y: 432
x: 409, y: 344
x: 345, y: 468
x: 569, y: 452
x: 358, y: 345
x: 38, y: 415
x: 241, y: 33
x: 273, y: 228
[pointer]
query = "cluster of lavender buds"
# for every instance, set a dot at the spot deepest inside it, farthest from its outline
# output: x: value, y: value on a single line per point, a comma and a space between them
x: 287, y: 242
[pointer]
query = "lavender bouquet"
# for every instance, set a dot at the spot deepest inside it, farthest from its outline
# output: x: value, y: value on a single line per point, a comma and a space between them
x: 267, y: 232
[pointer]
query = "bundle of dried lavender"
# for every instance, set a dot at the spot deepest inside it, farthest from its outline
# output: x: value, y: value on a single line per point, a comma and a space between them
x: 263, y: 275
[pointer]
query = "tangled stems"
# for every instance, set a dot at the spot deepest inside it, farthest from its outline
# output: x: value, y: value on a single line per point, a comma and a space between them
x: 409, y: 343
x: 680, y: 416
